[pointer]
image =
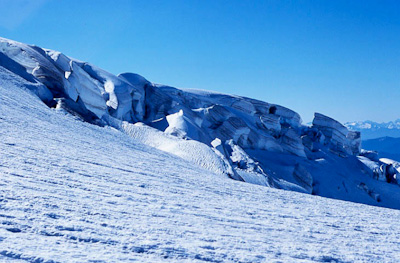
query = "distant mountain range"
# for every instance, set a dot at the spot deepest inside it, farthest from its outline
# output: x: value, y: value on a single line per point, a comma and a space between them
x: 381, y: 137
x: 372, y: 130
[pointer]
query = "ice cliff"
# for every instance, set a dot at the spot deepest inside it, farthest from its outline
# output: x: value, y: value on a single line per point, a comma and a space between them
x: 233, y: 136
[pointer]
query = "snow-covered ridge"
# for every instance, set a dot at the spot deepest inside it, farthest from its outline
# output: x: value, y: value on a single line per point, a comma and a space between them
x: 373, y: 125
x: 373, y: 130
x: 237, y: 137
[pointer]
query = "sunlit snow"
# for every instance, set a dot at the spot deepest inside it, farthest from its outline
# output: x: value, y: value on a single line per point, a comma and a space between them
x: 90, y: 177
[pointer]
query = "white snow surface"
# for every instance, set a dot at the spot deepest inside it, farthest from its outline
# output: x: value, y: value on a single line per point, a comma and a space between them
x: 71, y: 191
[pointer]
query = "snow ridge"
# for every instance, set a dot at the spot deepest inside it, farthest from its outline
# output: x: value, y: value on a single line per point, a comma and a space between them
x: 373, y: 130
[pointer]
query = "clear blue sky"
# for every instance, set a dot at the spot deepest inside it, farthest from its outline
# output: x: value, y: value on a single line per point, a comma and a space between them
x: 340, y: 58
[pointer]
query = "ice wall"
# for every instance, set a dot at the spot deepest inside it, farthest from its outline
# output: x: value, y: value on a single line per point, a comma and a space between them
x: 235, y: 130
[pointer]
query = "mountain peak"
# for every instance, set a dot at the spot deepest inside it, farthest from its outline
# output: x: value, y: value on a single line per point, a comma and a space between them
x: 372, y: 130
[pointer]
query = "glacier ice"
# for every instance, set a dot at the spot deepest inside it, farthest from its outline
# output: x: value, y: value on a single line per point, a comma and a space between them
x: 238, y: 137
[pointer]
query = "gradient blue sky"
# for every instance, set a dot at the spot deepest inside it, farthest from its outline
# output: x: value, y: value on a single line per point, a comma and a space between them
x: 340, y: 58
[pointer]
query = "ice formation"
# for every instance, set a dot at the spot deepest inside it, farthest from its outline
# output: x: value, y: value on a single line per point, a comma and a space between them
x: 238, y: 137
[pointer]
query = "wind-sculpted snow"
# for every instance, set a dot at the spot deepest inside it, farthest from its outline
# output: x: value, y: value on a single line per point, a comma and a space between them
x: 71, y: 191
x: 193, y: 151
x: 232, y: 136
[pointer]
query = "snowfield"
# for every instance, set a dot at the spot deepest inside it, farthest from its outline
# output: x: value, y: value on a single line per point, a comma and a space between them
x: 71, y: 191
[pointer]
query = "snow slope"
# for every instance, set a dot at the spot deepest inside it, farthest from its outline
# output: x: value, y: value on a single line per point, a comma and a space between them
x: 386, y: 146
x: 233, y: 136
x: 71, y: 191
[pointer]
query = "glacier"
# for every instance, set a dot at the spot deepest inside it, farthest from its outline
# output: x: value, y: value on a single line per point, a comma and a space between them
x: 103, y: 168
x: 233, y: 136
